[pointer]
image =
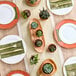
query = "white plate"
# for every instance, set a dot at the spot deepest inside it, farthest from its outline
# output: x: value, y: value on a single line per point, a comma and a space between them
x: 17, y: 58
x: 7, y: 14
x: 62, y: 11
x: 67, y: 33
x: 17, y: 75
x: 71, y: 60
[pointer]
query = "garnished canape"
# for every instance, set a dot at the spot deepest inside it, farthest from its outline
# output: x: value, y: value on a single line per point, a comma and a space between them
x: 39, y: 33
x: 26, y: 14
x: 44, y: 14
x: 47, y: 68
x: 34, y: 25
x: 32, y: 2
x: 38, y: 43
x: 52, y: 48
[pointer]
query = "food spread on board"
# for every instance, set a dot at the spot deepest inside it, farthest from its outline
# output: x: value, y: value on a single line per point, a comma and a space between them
x: 13, y: 48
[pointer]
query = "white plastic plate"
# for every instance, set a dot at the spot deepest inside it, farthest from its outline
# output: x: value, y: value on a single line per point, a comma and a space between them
x: 7, y: 14
x: 17, y: 58
x: 71, y: 60
x: 62, y: 11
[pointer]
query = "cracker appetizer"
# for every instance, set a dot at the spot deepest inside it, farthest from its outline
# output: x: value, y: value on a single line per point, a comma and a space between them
x: 37, y: 35
x: 47, y: 68
x: 32, y: 2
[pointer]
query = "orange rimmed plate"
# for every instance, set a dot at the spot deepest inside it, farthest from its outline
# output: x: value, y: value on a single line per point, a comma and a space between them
x: 9, y: 14
x: 18, y: 73
x: 64, y: 33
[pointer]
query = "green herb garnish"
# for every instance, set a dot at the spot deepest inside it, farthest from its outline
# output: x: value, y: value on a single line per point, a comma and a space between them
x: 34, y: 25
x: 34, y: 59
x: 47, y: 68
x: 39, y: 33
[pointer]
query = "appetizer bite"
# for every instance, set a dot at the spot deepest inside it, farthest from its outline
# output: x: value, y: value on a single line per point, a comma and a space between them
x: 32, y: 2
x: 44, y: 14
x: 26, y: 14
x: 37, y: 35
x: 52, y: 48
x: 34, y: 59
x: 47, y: 68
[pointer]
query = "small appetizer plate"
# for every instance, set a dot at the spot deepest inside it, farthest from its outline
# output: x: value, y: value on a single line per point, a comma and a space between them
x: 60, y: 11
x: 13, y: 59
x: 65, y: 33
x: 18, y: 73
x: 70, y: 61
x: 9, y: 14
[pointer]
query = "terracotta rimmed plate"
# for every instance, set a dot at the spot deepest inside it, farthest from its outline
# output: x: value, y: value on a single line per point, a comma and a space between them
x: 65, y: 33
x: 34, y: 36
x: 9, y: 14
x: 18, y: 73
x: 13, y: 59
x: 40, y: 71
x: 62, y: 11
x: 69, y: 61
